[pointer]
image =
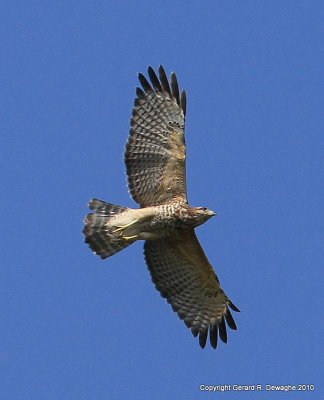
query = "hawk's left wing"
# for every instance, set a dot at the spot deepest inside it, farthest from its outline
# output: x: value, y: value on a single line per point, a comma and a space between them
x: 182, y: 273
x: 156, y: 151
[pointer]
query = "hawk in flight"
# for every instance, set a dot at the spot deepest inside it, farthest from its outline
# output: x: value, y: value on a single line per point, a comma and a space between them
x: 155, y: 160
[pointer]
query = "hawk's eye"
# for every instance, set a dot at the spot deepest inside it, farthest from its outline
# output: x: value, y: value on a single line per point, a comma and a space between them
x: 202, y: 208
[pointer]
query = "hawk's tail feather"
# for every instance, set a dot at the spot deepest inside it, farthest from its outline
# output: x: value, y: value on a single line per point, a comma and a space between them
x: 100, y: 233
x: 103, y: 208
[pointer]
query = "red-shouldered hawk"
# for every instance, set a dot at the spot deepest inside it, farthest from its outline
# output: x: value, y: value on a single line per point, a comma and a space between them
x: 155, y: 160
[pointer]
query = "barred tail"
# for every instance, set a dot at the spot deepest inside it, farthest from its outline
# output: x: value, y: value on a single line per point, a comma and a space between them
x: 98, y: 229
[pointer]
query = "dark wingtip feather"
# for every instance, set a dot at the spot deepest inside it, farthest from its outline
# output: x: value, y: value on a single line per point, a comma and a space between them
x: 213, y: 335
x: 233, y: 306
x: 144, y: 82
x: 195, y: 330
x: 164, y: 80
x: 230, y: 320
x: 187, y: 323
x: 183, y: 102
x: 140, y: 94
x: 203, y: 338
x: 154, y: 79
x: 175, y: 87
x: 222, y: 330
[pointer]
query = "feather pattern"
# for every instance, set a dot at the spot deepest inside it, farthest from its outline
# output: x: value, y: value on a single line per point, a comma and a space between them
x: 183, y: 275
x: 155, y: 158
x: 156, y: 152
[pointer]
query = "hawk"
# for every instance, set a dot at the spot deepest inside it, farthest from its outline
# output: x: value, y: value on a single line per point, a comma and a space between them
x: 155, y: 159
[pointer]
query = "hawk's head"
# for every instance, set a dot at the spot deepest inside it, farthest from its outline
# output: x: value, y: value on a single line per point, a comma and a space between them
x: 202, y: 214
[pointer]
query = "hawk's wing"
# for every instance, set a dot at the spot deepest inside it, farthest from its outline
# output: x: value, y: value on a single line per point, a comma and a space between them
x: 155, y: 152
x: 182, y: 273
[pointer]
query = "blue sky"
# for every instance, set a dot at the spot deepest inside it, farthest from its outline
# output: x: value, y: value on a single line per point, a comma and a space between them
x: 76, y: 327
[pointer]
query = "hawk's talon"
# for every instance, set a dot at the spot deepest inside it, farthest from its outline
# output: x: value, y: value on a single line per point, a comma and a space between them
x: 122, y: 228
x: 130, y: 238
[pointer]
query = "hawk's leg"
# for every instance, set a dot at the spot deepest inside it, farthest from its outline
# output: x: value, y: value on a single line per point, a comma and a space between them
x: 123, y: 227
x: 121, y: 230
x: 130, y: 238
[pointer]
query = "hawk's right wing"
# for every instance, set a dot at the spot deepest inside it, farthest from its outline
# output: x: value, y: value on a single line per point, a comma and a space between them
x: 156, y: 152
x: 182, y: 273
